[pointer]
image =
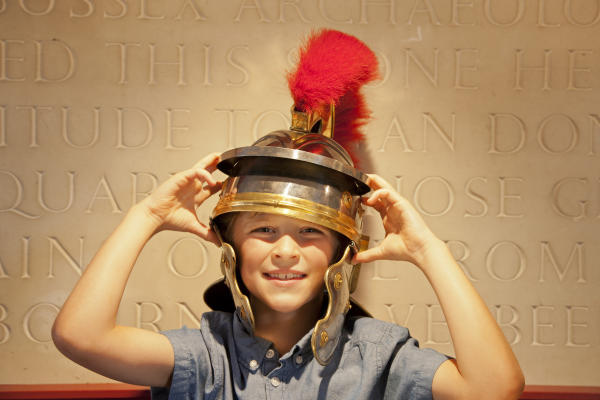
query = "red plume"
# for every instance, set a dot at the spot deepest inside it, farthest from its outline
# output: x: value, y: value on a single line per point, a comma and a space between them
x: 332, y: 68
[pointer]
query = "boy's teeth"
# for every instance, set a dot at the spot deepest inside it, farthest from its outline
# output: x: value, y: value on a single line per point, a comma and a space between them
x: 285, y: 276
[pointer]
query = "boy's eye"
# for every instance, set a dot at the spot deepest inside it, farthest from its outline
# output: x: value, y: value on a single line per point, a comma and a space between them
x: 311, y: 230
x: 263, y: 229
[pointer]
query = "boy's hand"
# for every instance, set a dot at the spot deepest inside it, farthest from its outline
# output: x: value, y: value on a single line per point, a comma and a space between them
x: 407, y: 236
x: 173, y: 204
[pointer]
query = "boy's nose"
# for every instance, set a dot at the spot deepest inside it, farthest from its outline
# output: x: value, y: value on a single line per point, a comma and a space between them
x: 285, y: 250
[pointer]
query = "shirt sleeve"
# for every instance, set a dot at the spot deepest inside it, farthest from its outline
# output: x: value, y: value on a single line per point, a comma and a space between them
x: 412, y: 368
x: 190, y: 365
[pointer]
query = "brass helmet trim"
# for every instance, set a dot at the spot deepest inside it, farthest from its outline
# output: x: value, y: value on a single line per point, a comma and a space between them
x: 292, y: 207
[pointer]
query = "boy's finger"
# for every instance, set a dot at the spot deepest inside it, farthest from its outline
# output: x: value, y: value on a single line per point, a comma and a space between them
x: 209, y: 162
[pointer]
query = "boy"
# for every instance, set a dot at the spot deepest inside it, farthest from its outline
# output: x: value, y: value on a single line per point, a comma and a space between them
x: 288, y: 221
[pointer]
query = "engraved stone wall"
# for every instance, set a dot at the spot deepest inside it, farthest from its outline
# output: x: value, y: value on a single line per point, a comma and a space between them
x: 486, y: 117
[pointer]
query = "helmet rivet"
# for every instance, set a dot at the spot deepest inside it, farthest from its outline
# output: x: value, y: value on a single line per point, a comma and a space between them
x: 324, y: 338
x: 347, y: 200
x: 337, y: 281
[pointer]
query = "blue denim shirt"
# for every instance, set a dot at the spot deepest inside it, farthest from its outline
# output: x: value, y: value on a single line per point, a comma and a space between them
x: 222, y: 360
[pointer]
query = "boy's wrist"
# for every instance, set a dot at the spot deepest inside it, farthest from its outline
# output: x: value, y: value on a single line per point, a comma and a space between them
x: 144, y: 218
x: 431, y: 252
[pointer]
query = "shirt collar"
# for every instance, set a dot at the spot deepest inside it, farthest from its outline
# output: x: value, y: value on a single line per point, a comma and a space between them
x: 250, y: 347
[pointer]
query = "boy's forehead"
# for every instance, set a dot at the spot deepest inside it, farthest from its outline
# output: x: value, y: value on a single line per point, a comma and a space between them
x: 262, y: 217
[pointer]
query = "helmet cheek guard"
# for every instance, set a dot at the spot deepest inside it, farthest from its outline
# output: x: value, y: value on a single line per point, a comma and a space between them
x: 304, y: 173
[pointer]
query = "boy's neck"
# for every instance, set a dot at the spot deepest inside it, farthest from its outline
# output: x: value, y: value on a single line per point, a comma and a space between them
x: 285, y: 329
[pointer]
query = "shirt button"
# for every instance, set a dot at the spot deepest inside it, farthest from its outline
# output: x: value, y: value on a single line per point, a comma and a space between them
x: 270, y: 353
x: 275, y: 381
x: 253, y: 364
x: 298, y: 359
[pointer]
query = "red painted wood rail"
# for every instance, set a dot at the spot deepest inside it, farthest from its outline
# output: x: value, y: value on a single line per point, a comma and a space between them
x: 123, y: 391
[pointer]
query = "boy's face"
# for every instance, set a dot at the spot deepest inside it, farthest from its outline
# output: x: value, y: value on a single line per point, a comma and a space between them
x: 282, y: 259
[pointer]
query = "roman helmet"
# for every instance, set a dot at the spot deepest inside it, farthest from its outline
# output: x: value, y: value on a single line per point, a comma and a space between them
x: 305, y: 172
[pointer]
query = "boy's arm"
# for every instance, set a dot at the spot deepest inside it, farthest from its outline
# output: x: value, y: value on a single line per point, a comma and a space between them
x: 485, y: 366
x: 85, y: 329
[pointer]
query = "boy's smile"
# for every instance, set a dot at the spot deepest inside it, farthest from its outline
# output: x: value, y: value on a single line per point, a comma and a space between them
x: 282, y: 260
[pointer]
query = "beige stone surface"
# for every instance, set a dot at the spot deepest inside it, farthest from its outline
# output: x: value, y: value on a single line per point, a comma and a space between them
x: 486, y: 118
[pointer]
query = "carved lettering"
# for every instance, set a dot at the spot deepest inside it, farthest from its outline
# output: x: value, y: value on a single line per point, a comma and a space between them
x: 186, y: 313
x: 141, y: 322
x: 198, y: 263
x: 391, y: 4
x: 198, y: 14
x: 511, y: 324
x: 542, y: 16
x: 105, y: 187
x: 40, y: 74
x: 517, y: 253
x: 123, y: 59
x: 520, y: 68
x: 34, y: 122
x: 173, y: 129
x: 135, y: 192
x: 3, y: 275
x: 37, y: 323
x: 25, y: 257
x: 431, y: 74
x: 4, y: 329
x: 539, y: 325
x: 146, y: 136
x: 432, y: 311
x: 180, y: 63
x: 3, y: 127
x: 74, y: 264
x: 207, y: 62
x: 5, y: 59
x: 392, y: 314
x: 25, y: 7
x: 427, y: 8
x: 469, y: 191
x: 231, y: 61
x: 571, y: 325
x: 575, y: 70
x: 448, y: 138
x: 576, y: 257
x: 144, y: 14
x: 89, y: 10
x: 557, y: 192
x: 328, y: 18
x: 495, y: 123
x: 594, y: 133
x: 40, y: 193
x: 66, y: 118
x: 14, y: 208
x: 568, y: 11
x: 449, y: 194
x: 460, y: 68
x: 123, y: 10
x: 504, y: 196
x: 254, y: 6
x: 294, y: 5
x: 457, y: 5
x: 492, y: 19
x: 396, y: 131
x: 568, y: 126
x: 231, y: 125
